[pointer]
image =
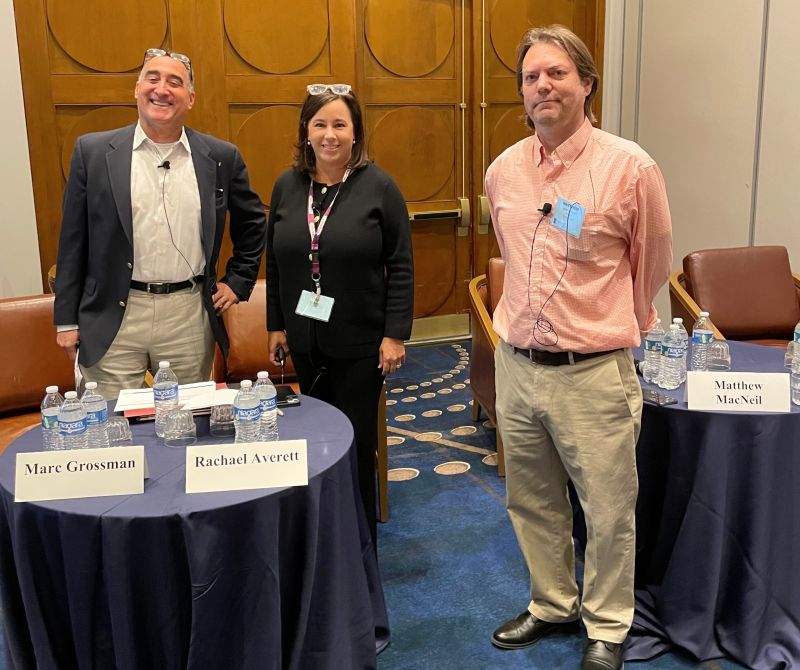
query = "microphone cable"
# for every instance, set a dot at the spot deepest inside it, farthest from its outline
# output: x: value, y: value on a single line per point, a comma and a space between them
x: 166, y: 165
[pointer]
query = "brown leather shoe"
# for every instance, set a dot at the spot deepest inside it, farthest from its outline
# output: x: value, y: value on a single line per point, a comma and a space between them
x: 526, y: 630
x: 600, y: 655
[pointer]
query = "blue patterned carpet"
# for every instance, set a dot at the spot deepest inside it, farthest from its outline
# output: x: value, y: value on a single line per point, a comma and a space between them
x: 451, y: 566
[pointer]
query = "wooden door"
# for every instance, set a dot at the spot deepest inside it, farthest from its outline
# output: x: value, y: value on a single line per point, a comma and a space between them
x: 498, y: 115
x: 413, y: 74
x: 435, y: 77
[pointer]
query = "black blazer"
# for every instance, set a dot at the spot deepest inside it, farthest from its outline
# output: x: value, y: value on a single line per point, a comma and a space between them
x: 365, y: 264
x: 95, y: 251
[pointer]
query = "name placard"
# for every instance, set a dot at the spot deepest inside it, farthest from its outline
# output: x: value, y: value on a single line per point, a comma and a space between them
x: 79, y: 473
x: 738, y: 391
x: 251, y: 465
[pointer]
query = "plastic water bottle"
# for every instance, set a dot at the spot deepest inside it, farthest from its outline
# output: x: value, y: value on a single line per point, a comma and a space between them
x: 246, y: 413
x: 795, y: 380
x: 702, y: 336
x: 165, y: 394
x: 268, y: 397
x: 96, y: 416
x: 72, y: 422
x: 685, y: 342
x: 652, y: 353
x: 673, y: 358
x: 50, y: 405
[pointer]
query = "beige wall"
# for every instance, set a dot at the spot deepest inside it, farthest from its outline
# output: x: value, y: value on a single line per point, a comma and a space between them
x: 710, y: 90
x: 777, y: 210
x: 19, y: 247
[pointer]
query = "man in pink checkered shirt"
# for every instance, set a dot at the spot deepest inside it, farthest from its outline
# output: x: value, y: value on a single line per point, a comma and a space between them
x: 583, y: 224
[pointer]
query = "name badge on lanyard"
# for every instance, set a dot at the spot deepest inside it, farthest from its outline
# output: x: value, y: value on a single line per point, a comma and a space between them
x: 316, y: 305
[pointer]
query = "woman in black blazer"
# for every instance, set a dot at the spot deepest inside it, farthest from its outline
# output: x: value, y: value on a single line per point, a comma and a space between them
x: 340, y: 284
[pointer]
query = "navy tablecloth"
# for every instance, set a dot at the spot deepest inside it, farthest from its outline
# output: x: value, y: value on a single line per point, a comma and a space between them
x: 718, y: 526
x: 261, y: 579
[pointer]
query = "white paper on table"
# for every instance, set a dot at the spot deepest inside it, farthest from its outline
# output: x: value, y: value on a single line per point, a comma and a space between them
x: 197, y: 396
x: 224, y: 396
x: 78, y: 375
x: 190, y: 396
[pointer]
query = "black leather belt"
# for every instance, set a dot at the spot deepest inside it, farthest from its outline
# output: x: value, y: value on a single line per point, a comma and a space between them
x: 558, y: 357
x: 161, y: 287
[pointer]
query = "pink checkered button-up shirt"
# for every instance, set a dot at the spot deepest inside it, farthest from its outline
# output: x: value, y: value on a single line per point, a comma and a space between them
x: 593, y: 293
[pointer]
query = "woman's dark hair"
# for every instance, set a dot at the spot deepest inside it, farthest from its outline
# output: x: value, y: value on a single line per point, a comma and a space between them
x: 304, y: 159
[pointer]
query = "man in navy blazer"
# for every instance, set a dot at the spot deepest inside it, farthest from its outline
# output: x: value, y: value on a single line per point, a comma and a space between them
x: 143, y: 219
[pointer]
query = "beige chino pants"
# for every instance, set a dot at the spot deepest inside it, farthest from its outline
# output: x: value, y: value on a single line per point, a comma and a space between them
x: 173, y: 327
x: 577, y: 422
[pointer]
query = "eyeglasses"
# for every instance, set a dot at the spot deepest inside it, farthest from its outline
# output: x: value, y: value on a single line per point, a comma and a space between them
x: 338, y: 89
x: 181, y: 58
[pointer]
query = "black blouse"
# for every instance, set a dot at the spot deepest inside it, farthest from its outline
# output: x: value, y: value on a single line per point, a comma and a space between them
x: 365, y: 263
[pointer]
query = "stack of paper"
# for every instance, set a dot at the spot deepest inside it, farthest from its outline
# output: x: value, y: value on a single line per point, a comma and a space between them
x: 197, y: 397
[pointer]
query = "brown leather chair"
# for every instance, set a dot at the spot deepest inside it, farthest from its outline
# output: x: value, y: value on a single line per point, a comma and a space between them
x: 30, y: 360
x: 749, y: 292
x: 246, y: 325
x: 484, y: 294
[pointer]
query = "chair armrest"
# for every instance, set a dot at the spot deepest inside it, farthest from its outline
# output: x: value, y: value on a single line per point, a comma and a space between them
x: 684, y: 306
x: 796, y: 278
x: 479, y: 311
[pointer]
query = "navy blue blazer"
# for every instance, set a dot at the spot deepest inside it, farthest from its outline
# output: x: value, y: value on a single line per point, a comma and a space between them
x: 95, y: 251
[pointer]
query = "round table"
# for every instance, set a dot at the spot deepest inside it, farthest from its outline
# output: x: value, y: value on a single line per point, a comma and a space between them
x: 267, y: 578
x: 718, y: 520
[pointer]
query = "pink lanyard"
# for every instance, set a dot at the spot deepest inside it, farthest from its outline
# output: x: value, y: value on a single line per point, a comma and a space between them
x: 315, y: 230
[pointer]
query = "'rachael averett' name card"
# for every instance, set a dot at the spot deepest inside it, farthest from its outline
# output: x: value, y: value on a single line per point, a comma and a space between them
x: 250, y: 465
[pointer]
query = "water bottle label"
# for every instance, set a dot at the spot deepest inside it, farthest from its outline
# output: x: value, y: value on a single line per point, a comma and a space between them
x: 247, y: 414
x: 702, y: 337
x: 72, y: 427
x: 674, y: 352
x: 100, y: 416
x: 165, y: 394
x: 268, y: 404
x: 49, y: 422
x: 652, y: 345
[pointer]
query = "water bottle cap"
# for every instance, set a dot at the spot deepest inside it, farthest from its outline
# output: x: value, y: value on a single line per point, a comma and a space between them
x: 245, y: 384
x: 263, y: 374
x: 71, y: 395
x: 91, y: 385
x: 51, y: 389
x: 163, y: 364
x: 677, y: 320
x: 703, y: 313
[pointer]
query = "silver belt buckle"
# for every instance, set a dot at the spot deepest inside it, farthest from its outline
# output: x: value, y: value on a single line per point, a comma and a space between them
x: 150, y: 286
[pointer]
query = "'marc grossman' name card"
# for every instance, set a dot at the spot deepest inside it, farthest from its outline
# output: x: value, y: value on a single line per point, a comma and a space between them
x: 250, y: 465
x: 79, y: 473
x: 738, y: 391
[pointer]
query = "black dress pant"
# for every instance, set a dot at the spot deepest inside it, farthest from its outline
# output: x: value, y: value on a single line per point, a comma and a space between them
x: 352, y: 385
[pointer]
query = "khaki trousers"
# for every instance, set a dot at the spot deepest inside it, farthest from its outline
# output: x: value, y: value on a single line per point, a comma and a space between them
x: 577, y: 422
x: 172, y: 327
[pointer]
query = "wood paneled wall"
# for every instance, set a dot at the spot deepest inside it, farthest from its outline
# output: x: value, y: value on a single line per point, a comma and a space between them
x: 436, y: 79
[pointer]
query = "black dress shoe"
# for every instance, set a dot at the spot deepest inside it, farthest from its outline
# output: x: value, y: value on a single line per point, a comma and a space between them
x: 526, y: 629
x: 600, y: 655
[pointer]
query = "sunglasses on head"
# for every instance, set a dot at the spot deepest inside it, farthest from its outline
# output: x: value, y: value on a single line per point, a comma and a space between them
x: 181, y: 58
x: 338, y: 89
